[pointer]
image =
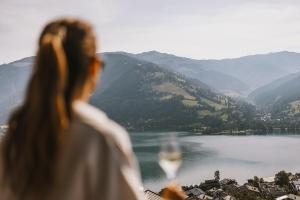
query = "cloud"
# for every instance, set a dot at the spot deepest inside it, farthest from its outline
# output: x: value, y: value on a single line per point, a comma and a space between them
x: 22, y: 21
x: 193, y: 28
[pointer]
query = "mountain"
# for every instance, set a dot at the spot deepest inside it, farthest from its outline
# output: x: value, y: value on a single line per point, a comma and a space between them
x: 276, y: 91
x: 281, y: 97
x: 13, y: 79
x: 138, y: 94
x: 195, y: 69
x: 243, y: 74
x: 144, y: 96
x: 157, y: 91
x: 257, y: 70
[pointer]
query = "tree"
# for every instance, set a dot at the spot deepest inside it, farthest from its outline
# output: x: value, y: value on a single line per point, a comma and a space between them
x: 282, y: 178
x: 217, y: 175
x: 261, y: 180
x: 256, y: 181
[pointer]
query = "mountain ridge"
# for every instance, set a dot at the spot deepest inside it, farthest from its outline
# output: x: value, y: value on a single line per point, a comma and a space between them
x: 254, y: 70
x: 138, y: 94
x: 131, y: 81
x: 148, y: 97
x: 280, y: 97
x: 194, y: 69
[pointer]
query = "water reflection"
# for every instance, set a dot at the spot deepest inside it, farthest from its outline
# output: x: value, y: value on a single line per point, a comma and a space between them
x: 239, y: 157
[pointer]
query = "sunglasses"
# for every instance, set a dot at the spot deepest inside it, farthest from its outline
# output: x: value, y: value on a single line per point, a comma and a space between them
x: 100, y: 63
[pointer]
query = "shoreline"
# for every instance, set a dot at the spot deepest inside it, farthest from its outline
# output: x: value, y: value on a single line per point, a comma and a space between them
x: 222, y: 133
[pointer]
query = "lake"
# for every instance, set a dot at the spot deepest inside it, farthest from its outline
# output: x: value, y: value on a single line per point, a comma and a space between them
x: 238, y: 157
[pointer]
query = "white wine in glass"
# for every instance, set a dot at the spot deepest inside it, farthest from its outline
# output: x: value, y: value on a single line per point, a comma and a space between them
x: 170, y: 156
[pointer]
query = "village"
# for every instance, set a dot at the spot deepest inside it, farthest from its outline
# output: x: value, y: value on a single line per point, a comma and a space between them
x: 283, y: 186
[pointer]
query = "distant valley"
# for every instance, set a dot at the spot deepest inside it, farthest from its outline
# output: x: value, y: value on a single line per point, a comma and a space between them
x: 159, y: 91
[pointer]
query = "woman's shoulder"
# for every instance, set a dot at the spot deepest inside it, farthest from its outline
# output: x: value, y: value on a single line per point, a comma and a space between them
x: 100, y: 123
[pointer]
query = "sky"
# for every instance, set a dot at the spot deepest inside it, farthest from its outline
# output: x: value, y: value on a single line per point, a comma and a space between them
x: 201, y: 29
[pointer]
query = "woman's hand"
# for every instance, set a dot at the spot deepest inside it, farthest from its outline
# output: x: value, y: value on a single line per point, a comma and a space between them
x: 173, y: 192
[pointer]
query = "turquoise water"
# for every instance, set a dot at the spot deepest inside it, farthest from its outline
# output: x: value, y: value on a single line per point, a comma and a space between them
x: 239, y: 157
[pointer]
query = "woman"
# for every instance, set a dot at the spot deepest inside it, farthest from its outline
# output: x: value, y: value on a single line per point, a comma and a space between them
x: 58, y: 146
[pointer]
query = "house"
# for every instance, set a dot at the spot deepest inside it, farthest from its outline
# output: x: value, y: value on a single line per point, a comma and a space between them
x: 296, y: 185
x: 194, y: 192
x: 270, y: 179
x: 3, y: 128
x: 289, y: 197
x: 149, y: 195
x: 228, y: 197
x: 212, y: 190
x: 291, y: 177
x: 217, y: 194
x: 209, y: 184
x: 251, y: 188
x: 205, y: 197
x: 273, y: 190
x: 227, y: 181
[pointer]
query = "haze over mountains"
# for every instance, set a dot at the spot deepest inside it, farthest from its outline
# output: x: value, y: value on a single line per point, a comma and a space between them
x: 194, y: 69
x: 163, y: 89
x: 244, y: 74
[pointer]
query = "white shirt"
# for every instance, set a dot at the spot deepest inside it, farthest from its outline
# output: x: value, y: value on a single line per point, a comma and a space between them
x: 97, y: 161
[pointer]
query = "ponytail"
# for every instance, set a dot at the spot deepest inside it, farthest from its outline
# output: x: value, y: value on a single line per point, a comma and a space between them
x: 36, y: 129
x: 52, y: 57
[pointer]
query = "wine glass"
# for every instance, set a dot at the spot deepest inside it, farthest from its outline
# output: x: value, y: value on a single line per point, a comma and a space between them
x: 170, y: 156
